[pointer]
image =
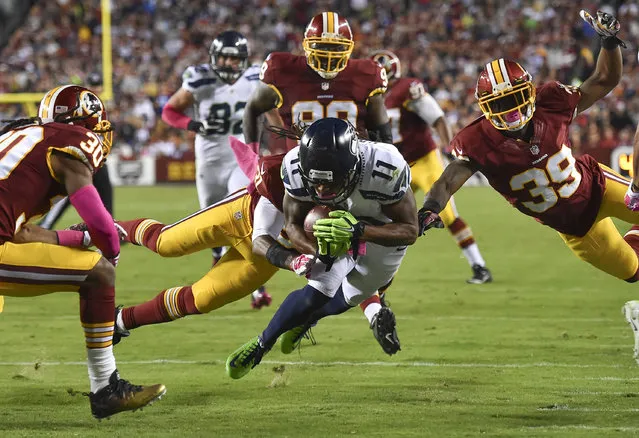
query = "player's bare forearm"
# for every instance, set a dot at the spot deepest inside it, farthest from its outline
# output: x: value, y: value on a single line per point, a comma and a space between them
x: 378, y: 123
x: 453, y: 178
x: 294, y: 213
x: 261, y: 245
x: 402, y: 231
x: 606, y: 76
x: 263, y: 99
x: 30, y: 233
x: 635, y: 160
x: 443, y: 131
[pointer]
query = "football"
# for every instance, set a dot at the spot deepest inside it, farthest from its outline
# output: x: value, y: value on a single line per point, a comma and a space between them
x: 317, y: 212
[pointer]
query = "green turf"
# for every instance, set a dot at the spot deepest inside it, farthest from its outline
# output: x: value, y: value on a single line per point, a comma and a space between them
x: 543, y: 351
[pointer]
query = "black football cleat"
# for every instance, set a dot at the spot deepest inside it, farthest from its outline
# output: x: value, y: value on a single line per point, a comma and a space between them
x: 384, y: 330
x: 481, y: 275
x: 120, y: 395
x: 117, y: 333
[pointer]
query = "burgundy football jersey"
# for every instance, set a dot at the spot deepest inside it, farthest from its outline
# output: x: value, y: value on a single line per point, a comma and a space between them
x: 411, y: 134
x: 540, y: 178
x: 27, y: 186
x: 268, y: 182
x: 306, y: 97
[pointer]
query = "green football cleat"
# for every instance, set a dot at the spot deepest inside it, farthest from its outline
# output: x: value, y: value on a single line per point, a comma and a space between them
x: 245, y: 358
x: 292, y: 339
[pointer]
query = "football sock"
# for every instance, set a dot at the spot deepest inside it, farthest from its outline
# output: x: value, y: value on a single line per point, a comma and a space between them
x: 371, y: 306
x: 143, y: 232
x: 464, y: 236
x: 97, y: 307
x: 335, y: 306
x: 168, y: 305
x: 294, y: 311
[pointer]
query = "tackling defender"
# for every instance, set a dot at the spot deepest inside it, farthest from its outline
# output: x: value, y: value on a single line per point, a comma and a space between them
x: 413, y: 113
x: 323, y: 83
x: 218, y: 91
x: 521, y: 145
x: 370, y: 183
x: 44, y: 158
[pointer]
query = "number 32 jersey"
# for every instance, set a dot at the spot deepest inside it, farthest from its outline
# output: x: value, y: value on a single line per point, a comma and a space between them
x: 305, y: 97
x: 220, y: 106
x: 27, y: 185
x: 384, y: 179
x: 540, y: 178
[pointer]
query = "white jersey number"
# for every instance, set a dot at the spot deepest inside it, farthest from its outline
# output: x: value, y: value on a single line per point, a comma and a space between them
x: 219, y: 119
x: 308, y: 111
x: 555, y: 172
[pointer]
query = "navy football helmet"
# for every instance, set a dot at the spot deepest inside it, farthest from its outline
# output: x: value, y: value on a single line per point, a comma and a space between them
x: 330, y: 163
x: 229, y: 44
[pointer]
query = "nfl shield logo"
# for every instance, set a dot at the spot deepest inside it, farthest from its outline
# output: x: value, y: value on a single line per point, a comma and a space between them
x: 534, y: 149
x: 325, y: 86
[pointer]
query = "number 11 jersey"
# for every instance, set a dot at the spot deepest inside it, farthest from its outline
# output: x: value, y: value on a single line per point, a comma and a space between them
x: 540, y: 178
x: 220, y: 107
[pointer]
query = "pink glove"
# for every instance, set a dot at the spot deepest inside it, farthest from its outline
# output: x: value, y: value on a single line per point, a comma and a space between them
x: 632, y: 199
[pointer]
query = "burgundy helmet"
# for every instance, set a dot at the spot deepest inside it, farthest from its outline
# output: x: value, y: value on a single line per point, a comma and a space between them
x: 328, y: 44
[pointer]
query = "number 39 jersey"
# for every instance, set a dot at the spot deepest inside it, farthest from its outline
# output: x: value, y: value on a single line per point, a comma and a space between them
x: 220, y: 106
x: 306, y: 97
x: 27, y: 185
x: 540, y: 178
x: 384, y: 179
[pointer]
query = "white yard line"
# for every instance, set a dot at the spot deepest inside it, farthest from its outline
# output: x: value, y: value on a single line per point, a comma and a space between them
x: 344, y: 363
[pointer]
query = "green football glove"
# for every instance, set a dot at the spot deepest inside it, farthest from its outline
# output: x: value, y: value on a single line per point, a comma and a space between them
x: 328, y: 251
x: 341, y: 226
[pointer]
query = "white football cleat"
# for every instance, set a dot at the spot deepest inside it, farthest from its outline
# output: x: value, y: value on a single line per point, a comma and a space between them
x: 630, y: 311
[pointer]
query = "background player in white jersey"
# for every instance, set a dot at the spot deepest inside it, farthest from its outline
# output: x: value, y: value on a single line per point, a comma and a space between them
x: 369, y: 185
x: 218, y: 92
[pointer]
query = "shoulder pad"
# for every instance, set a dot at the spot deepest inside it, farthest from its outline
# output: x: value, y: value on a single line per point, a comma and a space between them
x: 291, y: 176
x: 196, y: 76
x: 80, y: 143
x: 252, y: 73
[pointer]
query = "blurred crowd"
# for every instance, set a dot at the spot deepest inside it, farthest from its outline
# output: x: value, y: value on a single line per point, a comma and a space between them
x: 446, y: 43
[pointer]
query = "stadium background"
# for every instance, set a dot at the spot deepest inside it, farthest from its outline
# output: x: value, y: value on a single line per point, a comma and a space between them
x: 543, y: 351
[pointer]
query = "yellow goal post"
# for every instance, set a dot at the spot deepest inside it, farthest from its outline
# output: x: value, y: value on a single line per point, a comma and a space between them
x: 30, y: 100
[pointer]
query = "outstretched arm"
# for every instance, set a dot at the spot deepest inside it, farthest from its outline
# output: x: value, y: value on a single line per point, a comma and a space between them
x: 377, y: 122
x: 263, y: 99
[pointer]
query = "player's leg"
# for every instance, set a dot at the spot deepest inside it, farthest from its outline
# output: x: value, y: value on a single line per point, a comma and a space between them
x: 425, y: 172
x: 217, y: 225
x: 32, y: 269
x: 294, y: 311
x: 211, y: 182
x: 233, y: 277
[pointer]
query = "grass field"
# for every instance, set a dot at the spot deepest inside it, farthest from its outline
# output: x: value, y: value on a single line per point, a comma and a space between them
x: 543, y: 351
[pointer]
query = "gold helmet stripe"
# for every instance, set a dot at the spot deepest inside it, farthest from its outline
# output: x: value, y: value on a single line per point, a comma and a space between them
x: 504, y: 71
x: 330, y: 27
x: 46, y: 102
x: 499, y: 77
x: 491, y: 76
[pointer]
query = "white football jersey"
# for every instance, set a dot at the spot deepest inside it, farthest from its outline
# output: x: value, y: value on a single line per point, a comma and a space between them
x: 220, y: 106
x: 384, y: 179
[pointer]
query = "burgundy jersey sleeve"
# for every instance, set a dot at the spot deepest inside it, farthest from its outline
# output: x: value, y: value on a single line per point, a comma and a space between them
x: 268, y: 181
x: 373, y: 76
x: 79, y: 143
x: 462, y: 144
x: 559, y: 98
x: 274, y: 71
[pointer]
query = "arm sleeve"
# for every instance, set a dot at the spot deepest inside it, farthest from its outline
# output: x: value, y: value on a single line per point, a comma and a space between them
x: 103, y: 233
x: 267, y: 220
x: 426, y: 107
x: 174, y: 117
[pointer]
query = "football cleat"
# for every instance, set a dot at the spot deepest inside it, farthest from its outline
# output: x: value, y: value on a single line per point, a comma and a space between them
x: 292, y: 339
x: 630, y: 311
x: 383, y: 326
x: 120, y: 395
x: 245, y: 358
x: 260, y: 298
x: 481, y: 275
x: 118, y: 333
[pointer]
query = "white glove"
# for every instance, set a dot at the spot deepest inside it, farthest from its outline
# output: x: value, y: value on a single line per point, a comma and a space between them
x: 606, y: 25
x: 302, y: 264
